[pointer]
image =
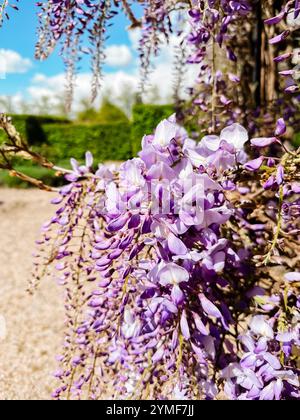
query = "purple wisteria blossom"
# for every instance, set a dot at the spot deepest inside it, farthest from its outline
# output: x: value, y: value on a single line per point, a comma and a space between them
x: 164, y: 282
x: 260, y: 374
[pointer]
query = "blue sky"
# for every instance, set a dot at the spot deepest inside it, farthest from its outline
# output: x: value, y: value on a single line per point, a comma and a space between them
x: 31, y: 86
x: 19, y: 34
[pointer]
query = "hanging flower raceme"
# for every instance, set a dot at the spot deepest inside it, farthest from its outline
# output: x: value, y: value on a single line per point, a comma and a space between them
x: 4, y: 5
x: 152, y: 283
x: 213, y: 29
x: 280, y: 176
x: 289, y: 16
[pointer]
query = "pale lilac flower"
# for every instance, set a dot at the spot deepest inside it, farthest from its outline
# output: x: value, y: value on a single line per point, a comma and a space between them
x: 236, y: 135
x: 261, y: 327
x: 293, y: 276
x: 173, y: 274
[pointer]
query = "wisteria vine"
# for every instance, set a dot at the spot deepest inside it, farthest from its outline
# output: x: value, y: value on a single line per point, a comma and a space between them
x: 181, y: 267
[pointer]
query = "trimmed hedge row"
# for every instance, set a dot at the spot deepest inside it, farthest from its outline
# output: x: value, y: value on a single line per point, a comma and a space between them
x: 106, y: 142
x: 59, y: 139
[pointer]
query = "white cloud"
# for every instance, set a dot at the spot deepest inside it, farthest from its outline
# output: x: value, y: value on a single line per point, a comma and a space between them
x: 12, y: 62
x: 118, y: 56
x: 46, y: 94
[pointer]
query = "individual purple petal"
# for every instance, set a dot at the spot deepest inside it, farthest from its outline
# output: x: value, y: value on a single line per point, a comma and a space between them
x: 115, y: 254
x: 280, y: 175
x: 75, y: 165
x: 96, y: 302
x: 165, y: 132
x: 228, y: 185
x: 285, y: 336
x: 170, y: 306
x: 272, y: 360
x: 73, y: 177
x: 269, y: 183
x: 255, y: 164
x: 297, y: 9
x: 268, y: 392
x: 177, y: 295
x: 282, y: 57
x: 103, y: 262
x: 248, y: 361
x: 60, y: 266
x: 134, y: 222
x: 185, y: 326
x: 158, y: 355
x: 64, y: 221
x: 262, y: 345
x: 234, y: 78
x: 287, y: 73
x: 247, y: 342
x: 292, y: 89
x: 199, y: 353
x: 56, y: 200
x: 254, y: 393
x: 280, y: 128
x: 235, y: 135
x: 263, y: 141
x: 279, y: 38
x: 276, y: 19
x: 208, y: 307
x: 199, y: 324
x: 278, y: 387
x: 209, y: 344
x: 230, y: 54
x: 271, y: 162
x: 118, y: 224
x: 103, y: 245
x: 176, y: 246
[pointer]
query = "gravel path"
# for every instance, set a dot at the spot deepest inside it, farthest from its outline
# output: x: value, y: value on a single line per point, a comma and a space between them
x: 34, y: 323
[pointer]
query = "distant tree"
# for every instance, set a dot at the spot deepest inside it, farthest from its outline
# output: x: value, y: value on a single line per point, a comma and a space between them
x: 108, y: 113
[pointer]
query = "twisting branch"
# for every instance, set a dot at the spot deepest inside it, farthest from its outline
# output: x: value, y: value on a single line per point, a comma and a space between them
x: 135, y: 23
x: 18, y: 147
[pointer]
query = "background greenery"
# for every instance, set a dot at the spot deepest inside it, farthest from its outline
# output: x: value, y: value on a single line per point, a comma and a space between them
x: 107, y: 133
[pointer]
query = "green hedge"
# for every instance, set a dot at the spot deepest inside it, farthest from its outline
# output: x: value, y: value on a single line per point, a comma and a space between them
x: 106, y: 142
x: 31, y: 127
x: 296, y: 140
x: 144, y: 120
x: 58, y: 139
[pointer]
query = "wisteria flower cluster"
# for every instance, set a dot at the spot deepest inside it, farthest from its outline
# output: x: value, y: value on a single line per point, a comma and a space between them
x: 157, y: 290
x: 260, y: 374
x: 180, y: 267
